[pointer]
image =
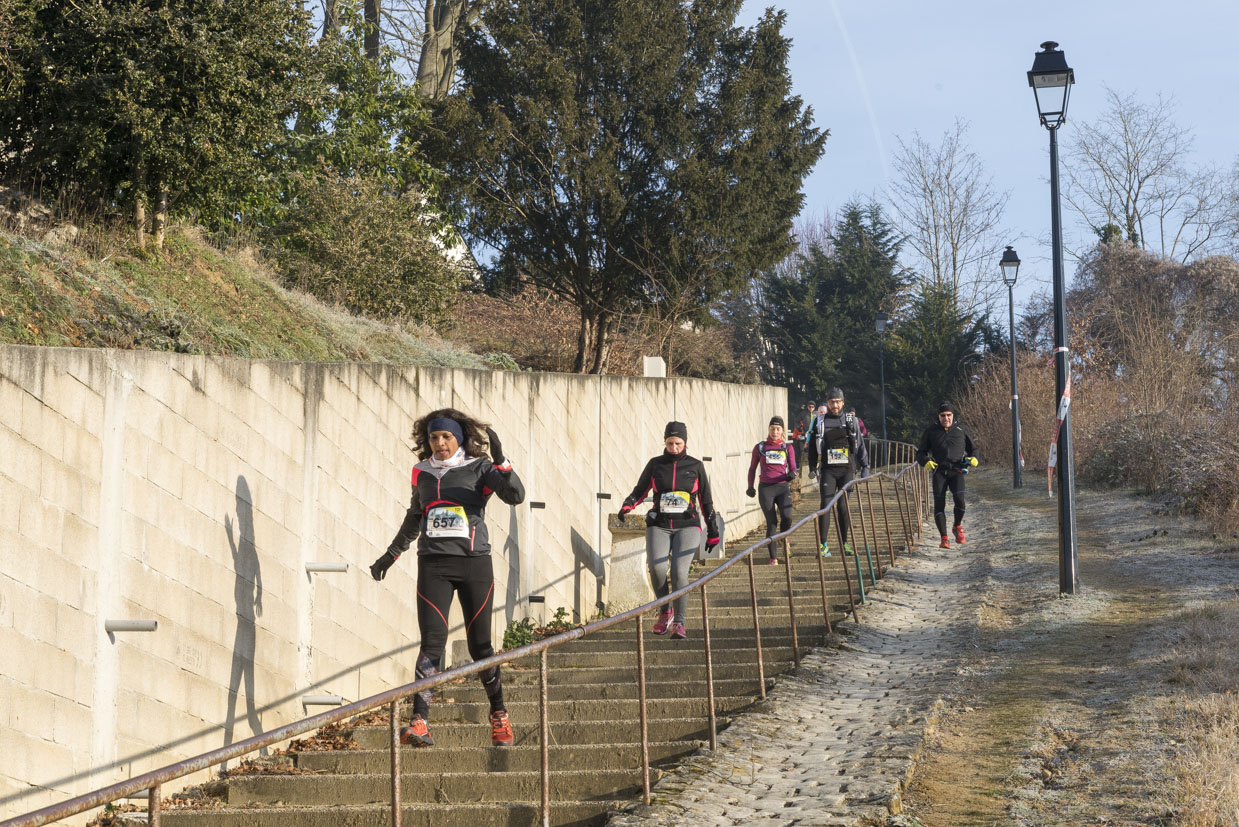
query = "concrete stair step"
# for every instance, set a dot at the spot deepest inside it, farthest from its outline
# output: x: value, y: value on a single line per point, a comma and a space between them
x: 527, y: 758
x: 505, y: 814
x: 449, y: 735
x: 628, y: 673
x: 525, y: 713
x: 375, y: 788
x: 686, y: 688
x: 690, y: 654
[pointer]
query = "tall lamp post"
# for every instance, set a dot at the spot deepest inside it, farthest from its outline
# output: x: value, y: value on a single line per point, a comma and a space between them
x: 1010, y: 265
x: 1051, y: 79
x: 879, y: 324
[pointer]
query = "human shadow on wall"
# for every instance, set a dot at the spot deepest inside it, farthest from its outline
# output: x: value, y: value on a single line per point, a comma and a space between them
x: 586, y: 559
x: 512, y: 551
x: 247, y: 592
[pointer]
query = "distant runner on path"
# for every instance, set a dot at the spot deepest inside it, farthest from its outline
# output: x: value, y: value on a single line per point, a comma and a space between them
x: 681, y: 491
x: 946, y: 449
x: 773, y: 492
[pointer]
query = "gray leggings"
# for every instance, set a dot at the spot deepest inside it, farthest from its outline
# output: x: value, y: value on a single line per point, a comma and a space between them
x: 681, y: 546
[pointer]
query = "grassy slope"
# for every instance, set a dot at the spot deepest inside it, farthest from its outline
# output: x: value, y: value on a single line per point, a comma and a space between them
x: 191, y: 298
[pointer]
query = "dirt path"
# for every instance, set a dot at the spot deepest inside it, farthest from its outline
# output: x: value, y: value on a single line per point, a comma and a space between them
x: 1059, y: 716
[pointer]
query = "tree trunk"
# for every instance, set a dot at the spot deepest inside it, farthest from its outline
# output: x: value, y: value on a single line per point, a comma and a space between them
x: 584, y: 342
x: 436, y: 65
x: 331, y: 20
x: 161, y: 216
x: 139, y: 205
x: 373, y: 15
x: 602, y: 344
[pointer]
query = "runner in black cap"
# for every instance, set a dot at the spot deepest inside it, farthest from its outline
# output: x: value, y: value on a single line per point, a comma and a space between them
x: 946, y: 449
x: 843, y: 454
x: 680, y: 491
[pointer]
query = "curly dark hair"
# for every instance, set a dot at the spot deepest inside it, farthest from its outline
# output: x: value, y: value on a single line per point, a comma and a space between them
x: 474, y: 431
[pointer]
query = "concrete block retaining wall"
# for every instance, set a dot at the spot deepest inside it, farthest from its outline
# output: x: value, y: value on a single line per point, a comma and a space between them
x: 193, y: 490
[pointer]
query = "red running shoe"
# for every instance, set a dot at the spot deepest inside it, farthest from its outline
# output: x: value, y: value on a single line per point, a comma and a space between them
x: 946, y: 542
x: 500, y: 729
x: 664, y: 617
x: 678, y: 631
x: 774, y: 561
x: 416, y: 734
x: 959, y: 534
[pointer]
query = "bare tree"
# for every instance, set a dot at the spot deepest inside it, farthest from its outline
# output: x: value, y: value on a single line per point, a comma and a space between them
x: 951, y: 214
x: 423, y: 34
x: 1127, y: 174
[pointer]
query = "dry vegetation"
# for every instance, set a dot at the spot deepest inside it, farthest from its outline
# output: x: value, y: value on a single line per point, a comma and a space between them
x: 1155, y: 346
x: 1205, y: 663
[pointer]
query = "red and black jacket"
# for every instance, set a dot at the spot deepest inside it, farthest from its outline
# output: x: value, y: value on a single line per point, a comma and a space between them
x: 448, y: 509
x: 681, y: 491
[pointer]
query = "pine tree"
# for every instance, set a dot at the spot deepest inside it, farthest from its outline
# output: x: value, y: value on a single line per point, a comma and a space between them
x: 627, y: 156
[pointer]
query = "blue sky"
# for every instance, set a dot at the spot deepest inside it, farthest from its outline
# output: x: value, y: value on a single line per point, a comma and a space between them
x: 876, y: 70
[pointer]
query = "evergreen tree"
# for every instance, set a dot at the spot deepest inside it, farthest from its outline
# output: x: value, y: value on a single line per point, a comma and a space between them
x: 931, y: 351
x: 167, y: 102
x: 820, y: 312
x: 645, y: 154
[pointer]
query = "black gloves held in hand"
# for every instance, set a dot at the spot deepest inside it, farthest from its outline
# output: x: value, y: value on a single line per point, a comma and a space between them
x: 378, y: 569
x: 752, y: 492
x: 496, y: 449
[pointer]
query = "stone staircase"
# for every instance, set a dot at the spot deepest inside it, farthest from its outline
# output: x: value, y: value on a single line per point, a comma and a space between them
x: 595, y: 749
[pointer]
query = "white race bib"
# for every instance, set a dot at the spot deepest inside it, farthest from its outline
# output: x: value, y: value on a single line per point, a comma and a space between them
x: 447, y: 521
x: 674, y: 502
x: 836, y: 456
x: 776, y: 458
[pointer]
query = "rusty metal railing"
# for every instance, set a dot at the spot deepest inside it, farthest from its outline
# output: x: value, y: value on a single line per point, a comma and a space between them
x: 909, y: 482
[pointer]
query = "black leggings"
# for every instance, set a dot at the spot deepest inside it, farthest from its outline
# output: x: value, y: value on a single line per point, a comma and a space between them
x: 829, y: 481
x: 942, y: 481
x: 473, y: 578
x: 775, y: 499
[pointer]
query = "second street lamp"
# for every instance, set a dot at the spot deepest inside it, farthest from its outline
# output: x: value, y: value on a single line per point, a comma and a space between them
x: 1010, y: 265
x: 1051, y: 79
x: 879, y: 324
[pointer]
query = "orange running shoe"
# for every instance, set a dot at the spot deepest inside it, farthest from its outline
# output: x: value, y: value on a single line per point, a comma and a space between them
x: 959, y: 534
x: 416, y: 734
x: 500, y: 729
x: 946, y: 542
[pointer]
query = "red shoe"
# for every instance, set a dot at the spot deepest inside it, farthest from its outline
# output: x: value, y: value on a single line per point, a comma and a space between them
x: 500, y: 729
x: 664, y: 617
x: 946, y: 542
x: 678, y: 631
x: 959, y: 534
x: 416, y: 734
x: 774, y: 561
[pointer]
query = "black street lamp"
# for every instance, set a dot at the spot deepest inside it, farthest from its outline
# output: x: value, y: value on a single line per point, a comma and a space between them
x: 1010, y: 265
x: 1051, y: 79
x: 879, y: 324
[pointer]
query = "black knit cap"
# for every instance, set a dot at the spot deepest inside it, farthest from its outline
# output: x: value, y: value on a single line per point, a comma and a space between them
x: 777, y: 420
x: 676, y: 429
x: 834, y: 393
x: 945, y: 406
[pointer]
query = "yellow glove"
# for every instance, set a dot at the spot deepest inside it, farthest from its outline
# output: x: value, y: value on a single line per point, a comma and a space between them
x: 931, y: 465
x: 971, y: 461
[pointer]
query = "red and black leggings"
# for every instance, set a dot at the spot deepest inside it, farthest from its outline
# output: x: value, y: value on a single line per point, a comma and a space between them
x: 473, y: 578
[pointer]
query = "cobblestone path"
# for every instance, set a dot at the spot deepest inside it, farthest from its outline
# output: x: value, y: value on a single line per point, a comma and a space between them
x: 835, y: 740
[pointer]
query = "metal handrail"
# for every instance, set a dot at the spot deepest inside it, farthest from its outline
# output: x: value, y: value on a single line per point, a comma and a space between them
x: 154, y: 780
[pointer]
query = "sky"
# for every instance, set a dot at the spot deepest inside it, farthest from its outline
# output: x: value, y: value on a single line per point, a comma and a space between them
x: 877, y: 71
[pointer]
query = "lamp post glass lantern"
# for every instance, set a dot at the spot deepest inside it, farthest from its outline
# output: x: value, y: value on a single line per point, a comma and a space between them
x: 1051, y: 80
x: 1010, y: 266
x: 879, y: 325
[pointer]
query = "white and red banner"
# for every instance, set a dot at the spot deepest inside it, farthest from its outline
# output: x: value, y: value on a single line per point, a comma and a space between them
x: 1064, y: 405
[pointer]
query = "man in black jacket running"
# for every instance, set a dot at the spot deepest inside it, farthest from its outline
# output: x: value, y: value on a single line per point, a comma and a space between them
x: 946, y: 449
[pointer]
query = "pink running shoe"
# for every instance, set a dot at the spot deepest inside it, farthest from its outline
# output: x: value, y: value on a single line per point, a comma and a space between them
x: 678, y: 631
x: 664, y: 617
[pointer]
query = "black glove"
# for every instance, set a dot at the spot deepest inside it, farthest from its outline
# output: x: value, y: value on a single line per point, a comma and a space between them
x: 496, y: 449
x: 378, y: 569
x: 789, y: 476
x: 624, y: 509
x: 752, y: 492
